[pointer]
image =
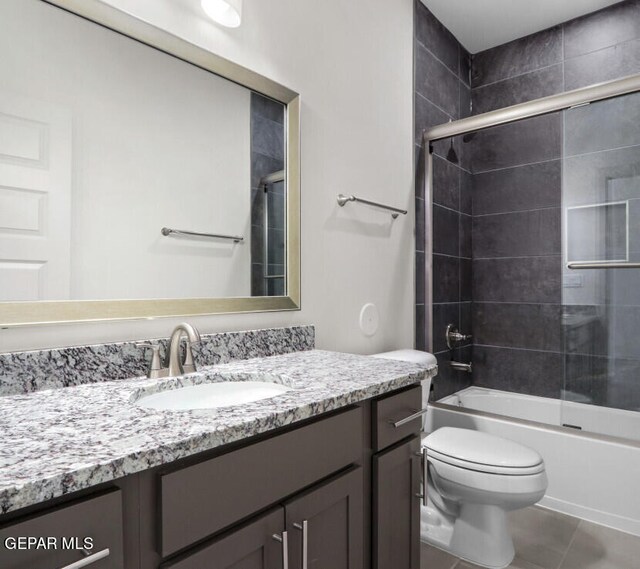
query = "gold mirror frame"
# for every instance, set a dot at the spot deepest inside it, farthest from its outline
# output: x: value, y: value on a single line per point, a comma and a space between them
x: 50, y: 312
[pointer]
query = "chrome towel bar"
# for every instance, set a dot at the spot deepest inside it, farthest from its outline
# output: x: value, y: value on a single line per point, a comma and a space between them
x: 166, y: 231
x: 342, y: 200
x: 604, y: 265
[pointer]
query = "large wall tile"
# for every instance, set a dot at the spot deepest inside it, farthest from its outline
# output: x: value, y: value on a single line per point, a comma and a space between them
x: 446, y: 183
x: 525, y: 279
x: 605, y: 28
x: 426, y: 116
x: 443, y: 315
x: 420, y: 277
x: 421, y: 331
x: 532, y: 326
x: 604, y: 125
x: 522, y: 371
x: 420, y: 225
x: 466, y: 240
x: 448, y: 380
x: 519, y: 234
x: 519, y: 89
x: 519, y: 56
x: 446, y: 231
x: 466, y: 280
x: 436, y: 38
x: 604, y: 65
x: 518, y: 189
x: 436, y: 82
x: 446, y: 279
x: 587, y: 179
x: 267, y: 137
x: 524, y: 142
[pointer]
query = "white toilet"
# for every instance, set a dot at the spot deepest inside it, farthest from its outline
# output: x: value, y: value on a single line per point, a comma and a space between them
x: 474, y: 480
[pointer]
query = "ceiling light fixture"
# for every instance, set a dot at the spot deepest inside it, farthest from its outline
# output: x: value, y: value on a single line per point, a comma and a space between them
x: 225, y: 12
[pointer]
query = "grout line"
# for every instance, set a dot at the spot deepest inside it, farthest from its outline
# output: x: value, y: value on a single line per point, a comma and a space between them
x: 519, y: 349
x: 615, y: 45
x: 559, y: 158
x: 436, y: 204
x: 602, y: 151
x: 550, y: 255
x: 456, y: 74
x: 519, y: 211
x: 518, y: 75
x: 435, y: 105
x: 573, y: 537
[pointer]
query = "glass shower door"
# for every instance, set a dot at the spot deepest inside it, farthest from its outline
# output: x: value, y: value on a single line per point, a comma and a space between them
x: 601, y: 267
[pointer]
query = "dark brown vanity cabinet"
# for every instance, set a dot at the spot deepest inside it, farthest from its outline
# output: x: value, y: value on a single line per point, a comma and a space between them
x: 333, y: 492
x: 83, y: 533
x: 397, y: 482
x: 321, y: 528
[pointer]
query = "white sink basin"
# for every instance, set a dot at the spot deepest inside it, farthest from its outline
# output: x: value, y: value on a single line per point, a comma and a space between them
x: 212, y: 395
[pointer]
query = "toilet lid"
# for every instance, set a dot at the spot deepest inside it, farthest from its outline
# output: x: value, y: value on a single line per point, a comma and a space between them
x: 468, y: 446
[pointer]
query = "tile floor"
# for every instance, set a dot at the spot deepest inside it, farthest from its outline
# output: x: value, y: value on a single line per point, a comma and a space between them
x: 548, y: 540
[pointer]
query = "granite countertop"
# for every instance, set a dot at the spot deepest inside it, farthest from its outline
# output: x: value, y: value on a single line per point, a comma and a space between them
x: 62, y: 440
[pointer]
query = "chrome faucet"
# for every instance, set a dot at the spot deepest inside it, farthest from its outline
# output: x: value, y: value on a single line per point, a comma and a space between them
x: 172, y: 360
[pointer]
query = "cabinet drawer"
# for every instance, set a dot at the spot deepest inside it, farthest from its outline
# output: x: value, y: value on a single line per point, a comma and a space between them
x: 62, y: 532
x: 387, y: 410
x: 203, y: 499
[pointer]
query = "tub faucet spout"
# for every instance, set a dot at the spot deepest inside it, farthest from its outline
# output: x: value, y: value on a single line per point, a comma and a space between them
x: 459, y: 366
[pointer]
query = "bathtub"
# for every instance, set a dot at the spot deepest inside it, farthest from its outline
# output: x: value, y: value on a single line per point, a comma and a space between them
x: 591, y: 476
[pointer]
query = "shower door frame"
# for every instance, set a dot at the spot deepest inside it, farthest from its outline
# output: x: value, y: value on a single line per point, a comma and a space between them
x: 506, y: 115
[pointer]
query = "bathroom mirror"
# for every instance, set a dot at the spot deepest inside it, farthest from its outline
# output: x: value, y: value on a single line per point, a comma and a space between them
x: 140, y: 176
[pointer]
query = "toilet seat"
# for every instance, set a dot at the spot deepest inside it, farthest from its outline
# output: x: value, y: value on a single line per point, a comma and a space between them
x: 481, y: 452
x: 486, y: 468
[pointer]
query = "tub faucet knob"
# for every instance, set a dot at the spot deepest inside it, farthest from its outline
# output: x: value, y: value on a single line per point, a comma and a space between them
x: 453, y: 336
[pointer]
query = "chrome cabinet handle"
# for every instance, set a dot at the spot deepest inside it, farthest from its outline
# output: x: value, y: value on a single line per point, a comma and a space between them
x: 305, y: 542
x: 423, y: 495
x: 89, y: 560
x: 408, y: 419
x: 284, y: 540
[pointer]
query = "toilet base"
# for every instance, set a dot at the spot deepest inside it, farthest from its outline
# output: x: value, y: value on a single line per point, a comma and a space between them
x: 479, y: 534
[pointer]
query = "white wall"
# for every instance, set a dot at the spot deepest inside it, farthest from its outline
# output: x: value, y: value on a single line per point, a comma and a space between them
x: 352, y: 63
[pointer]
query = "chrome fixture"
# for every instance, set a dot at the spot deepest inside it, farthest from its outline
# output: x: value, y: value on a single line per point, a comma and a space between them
x: 408, y: 419
x: 155, y: 367
x: 603, y: 265
x: 284, y: 540
x: 454, y: 337
x: 542, y: 106
x: 342, y: 200
x: 459, y: 366
x: 304, y: 528
x: 172, y: 360
x: 167, y: 231
x: 90, y: 559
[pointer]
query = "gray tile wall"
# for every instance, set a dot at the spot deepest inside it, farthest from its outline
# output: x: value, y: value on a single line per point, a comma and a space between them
x: 267, y: 156
x: 517, y: 192
x: 442, y: 93
x: 496, y: 215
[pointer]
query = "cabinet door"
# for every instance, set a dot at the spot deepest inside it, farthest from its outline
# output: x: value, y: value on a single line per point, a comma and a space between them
x: 396, y: 506
x: 256, y: 545
x: 84, y: 533
x: 326, y: 526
